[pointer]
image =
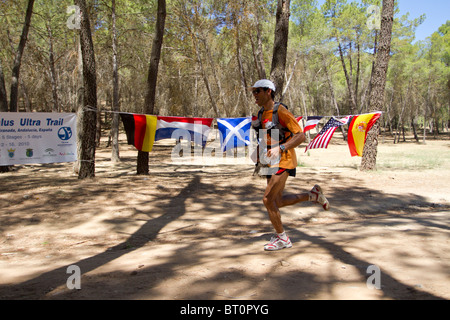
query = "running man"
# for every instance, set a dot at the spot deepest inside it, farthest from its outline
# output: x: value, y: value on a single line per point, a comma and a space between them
x: 284, y: 149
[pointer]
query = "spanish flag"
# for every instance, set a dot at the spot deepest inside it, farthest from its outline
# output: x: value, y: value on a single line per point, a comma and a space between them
x: 357, y: 132
x: 140, y: 130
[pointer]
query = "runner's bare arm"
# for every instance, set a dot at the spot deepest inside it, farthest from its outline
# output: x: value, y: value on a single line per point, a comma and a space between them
x: 296, y: 140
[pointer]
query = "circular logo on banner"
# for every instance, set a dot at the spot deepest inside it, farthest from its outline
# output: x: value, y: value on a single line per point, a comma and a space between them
x: 65, y: 133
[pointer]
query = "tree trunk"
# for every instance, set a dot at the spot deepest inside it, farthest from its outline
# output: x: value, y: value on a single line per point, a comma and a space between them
x: 400, y: 124
x: 3, y: 106
x: 448, y: 105
x: 288, y: 82
x: 413, y: 125
x: 348, y: 78
x: 14, y: 94
x: 216, y: 78
x: 388, y: 113
x: 15, y: 73
x: 98, y: 127
x: 142, y: 163
x: 27, y: 101
x: 424, y: 126
x: 379, y: 83
x: 155, y: 57
x: 53, y: 76
x: 241, y: 67
x: 280, y: 46
x: 3, y: 94
x: 204, y: 74
x: 149, y: 108
x: 358, y: 73
x: 262, y: 65
x: 332, y: 93
x: 115, y: 157
x: 448, y: 109
x: 258, y: 48
x: 88, y: 113
x: 369, y: 89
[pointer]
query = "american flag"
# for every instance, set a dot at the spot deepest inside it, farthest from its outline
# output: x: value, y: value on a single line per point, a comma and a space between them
x: 323, y: 138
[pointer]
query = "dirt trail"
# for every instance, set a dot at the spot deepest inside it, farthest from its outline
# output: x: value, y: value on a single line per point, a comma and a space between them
x: 197, y: 231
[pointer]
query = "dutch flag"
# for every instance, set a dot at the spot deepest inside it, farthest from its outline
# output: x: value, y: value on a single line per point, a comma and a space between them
x: 197, y: 128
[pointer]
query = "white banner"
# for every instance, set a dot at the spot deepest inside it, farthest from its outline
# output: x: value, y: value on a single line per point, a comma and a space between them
x: 30, y: 138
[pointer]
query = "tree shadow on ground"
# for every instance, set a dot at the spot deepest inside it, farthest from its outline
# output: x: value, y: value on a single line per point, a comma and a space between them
x: 38, y: 287
x: 119, y: 284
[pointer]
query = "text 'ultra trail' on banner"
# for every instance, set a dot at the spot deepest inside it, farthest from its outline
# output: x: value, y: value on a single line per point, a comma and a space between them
x: 35, y: 138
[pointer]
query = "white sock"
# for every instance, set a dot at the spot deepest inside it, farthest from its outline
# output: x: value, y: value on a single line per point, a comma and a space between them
x: 283, y: 236
x: 312, y: 197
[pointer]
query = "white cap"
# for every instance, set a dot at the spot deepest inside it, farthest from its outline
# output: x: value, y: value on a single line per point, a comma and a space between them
x: 264, y: 84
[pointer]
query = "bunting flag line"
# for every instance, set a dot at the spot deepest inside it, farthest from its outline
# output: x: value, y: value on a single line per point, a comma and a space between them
x: 357, y: 132
x: 311, y: 123
x: 323, y: 138
x: 234, y: 132
x: 140, y: 130
x: 198, y: 128
x: 345, y: 120
x: 143, y: 130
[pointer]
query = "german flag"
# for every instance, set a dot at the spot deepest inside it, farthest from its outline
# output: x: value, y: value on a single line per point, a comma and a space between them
x: 140, y: 130
x: 357, y: 132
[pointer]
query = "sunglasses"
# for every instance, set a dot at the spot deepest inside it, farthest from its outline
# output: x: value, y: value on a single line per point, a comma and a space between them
x: 258, y: 90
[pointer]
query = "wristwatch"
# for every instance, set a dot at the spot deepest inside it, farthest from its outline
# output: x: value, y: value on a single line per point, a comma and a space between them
x: 283, y: 148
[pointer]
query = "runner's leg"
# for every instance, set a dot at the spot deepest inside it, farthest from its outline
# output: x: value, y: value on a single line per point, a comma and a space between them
x: 272, y: 195
x: 291, y: 199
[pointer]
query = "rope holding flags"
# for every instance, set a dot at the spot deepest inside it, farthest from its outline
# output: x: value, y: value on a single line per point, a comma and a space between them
x: 50, y: 137
x: 142, y: 130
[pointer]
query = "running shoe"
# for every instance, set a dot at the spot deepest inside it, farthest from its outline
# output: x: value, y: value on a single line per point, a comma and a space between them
x: 276, y: 243
x: 316, y: 195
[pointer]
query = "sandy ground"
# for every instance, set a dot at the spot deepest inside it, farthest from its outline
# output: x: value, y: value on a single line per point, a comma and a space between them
x: 197, y: 231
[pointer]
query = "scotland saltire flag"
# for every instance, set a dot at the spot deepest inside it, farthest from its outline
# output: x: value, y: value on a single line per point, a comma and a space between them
x: 234, y: 132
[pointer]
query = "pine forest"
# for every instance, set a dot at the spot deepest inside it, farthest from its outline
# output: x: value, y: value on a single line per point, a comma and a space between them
x: 214, y: 50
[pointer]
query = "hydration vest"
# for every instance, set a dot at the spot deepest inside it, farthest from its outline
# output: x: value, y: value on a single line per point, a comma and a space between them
x: 282, y: 131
